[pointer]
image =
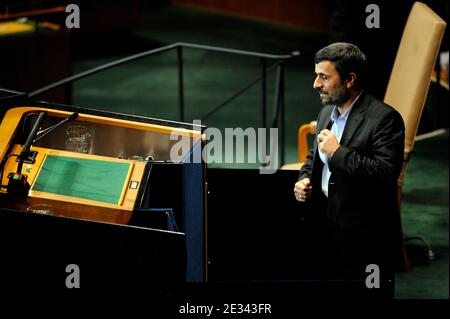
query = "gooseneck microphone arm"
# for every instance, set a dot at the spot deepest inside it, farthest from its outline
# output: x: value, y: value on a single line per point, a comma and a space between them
x: 43, y: 133
x: 26, y: 147
x: 17, y: 182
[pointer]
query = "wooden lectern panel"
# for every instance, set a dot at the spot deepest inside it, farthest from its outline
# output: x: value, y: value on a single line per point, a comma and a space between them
x: 80, y: 185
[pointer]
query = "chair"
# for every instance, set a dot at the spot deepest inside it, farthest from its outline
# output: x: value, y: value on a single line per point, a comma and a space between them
x: 410, y: 78
x: 302, y: 138
x: 409, y: 82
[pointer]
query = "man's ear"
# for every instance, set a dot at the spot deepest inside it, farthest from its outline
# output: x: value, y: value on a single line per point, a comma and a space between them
x: 351, y: 79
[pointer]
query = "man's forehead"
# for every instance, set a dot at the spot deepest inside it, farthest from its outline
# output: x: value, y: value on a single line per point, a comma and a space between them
x: 326, y: 67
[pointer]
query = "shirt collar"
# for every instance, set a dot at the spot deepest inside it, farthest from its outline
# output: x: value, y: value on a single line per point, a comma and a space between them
x: 335, y: 114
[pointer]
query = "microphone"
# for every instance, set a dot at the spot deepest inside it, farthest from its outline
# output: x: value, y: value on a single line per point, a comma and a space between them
x: 43, y: 133
x: 25, y: 154
x: 17, y: 182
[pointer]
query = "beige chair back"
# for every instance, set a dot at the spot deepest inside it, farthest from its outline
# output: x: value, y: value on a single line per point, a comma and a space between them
x: 410, y: 78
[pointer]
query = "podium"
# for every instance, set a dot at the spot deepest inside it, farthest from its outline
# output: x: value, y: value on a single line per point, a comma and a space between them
x: 101, y: 198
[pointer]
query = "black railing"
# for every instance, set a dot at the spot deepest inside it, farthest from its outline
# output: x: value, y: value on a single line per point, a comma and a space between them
x: 278, y: 119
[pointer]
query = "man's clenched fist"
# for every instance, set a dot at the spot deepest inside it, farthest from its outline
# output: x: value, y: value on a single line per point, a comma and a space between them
x: 302, y: 190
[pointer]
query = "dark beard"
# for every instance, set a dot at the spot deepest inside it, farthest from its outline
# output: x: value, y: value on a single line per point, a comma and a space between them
x: 338, y: 97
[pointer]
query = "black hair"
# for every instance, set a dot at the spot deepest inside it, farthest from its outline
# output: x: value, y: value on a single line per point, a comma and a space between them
x: 347, y: 58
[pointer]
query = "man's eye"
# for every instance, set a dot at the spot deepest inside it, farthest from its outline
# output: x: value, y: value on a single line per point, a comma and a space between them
x: 323, y: 77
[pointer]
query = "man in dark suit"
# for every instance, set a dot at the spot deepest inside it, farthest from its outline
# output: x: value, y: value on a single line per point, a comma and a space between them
x: 349, y: 180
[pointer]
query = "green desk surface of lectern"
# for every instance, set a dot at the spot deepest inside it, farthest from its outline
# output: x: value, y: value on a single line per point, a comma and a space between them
x: 97, y: 180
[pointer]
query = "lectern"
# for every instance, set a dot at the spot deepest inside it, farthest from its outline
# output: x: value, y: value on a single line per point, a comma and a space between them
x: 113, y: 190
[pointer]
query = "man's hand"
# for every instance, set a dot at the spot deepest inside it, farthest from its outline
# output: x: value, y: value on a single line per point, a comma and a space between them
x: 327, y: 142
x: 302, y: 190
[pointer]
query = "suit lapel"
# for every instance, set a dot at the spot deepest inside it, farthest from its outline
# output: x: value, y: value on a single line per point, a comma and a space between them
x: 322, y: 123
x: 355, y: 119
x: 352, y: 124
x: 324, y: 120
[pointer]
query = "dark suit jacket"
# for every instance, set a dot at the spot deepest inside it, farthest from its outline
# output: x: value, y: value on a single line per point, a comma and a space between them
x: 364, y: 171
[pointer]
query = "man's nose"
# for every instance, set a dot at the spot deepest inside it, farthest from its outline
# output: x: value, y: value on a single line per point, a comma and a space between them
x: 317, y: 83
